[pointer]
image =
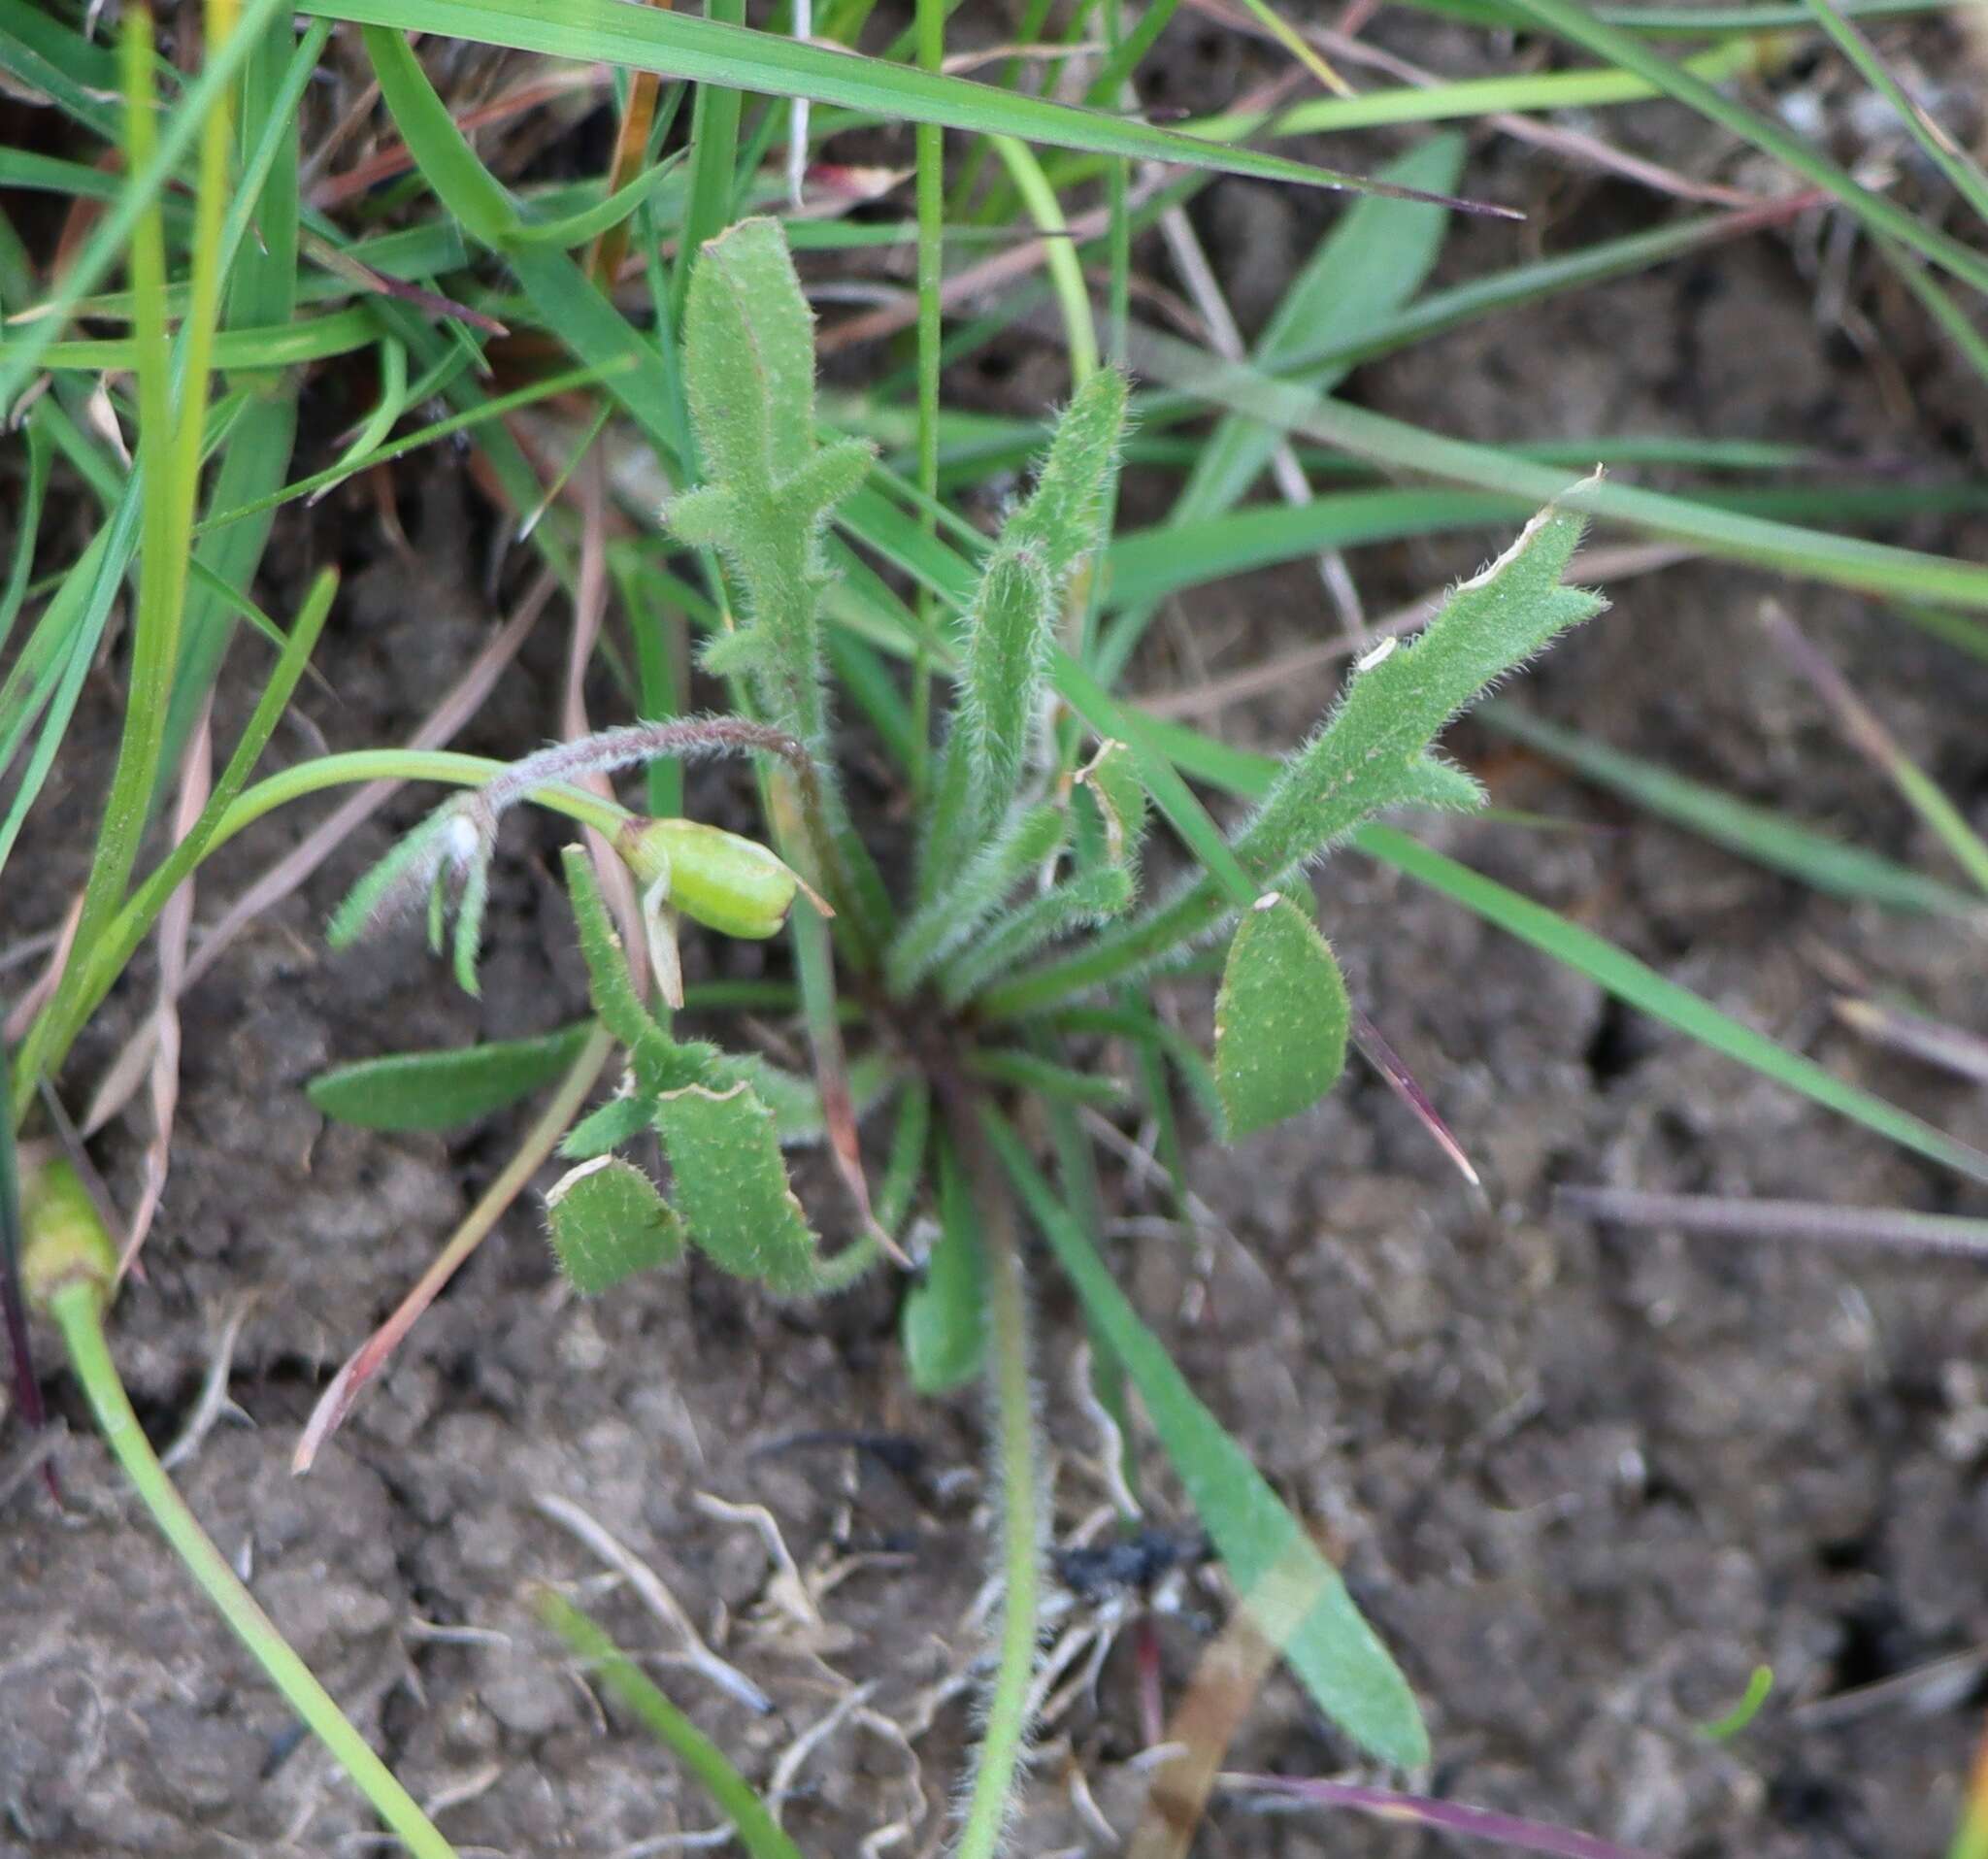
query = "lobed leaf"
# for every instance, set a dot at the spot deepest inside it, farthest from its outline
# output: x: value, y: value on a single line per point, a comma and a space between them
x: 1281, y: 1018
x: 731, y: 1186
x: 607, y: 1223
x: 1373, y: 752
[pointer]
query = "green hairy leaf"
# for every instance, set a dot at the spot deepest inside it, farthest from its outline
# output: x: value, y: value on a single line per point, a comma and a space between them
x: 1294, y: 1595
x: 1010, y: 624
x: 440, y: 1090
x: 947, y: 922
x: 1008, y: 628
x: 1281, y: 1018
x: 732, y: 1186
x: 1373, y: 752
x: 607, y: 1223
x: 1065, y: 512
x: 748, y: 367
x: 1083, y: 902
x: 609, y: 1125
x: 1110, y: 783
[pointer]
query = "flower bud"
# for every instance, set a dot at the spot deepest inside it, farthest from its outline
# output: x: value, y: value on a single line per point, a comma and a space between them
x: 731, y: 884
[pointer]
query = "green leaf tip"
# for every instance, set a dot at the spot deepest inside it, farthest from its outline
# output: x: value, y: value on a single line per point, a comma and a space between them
x: 1065, y: 512
x: 731, y: 1186
x: 607, y: 1222
x: 748, y: 339
x: 1372, y: 754
x: 1111, y: 780
x: 1281, y: 1018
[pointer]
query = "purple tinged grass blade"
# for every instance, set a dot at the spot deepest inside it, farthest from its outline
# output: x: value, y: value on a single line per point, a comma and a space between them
x: 1376, y: 1050
x: 1446, y: 1817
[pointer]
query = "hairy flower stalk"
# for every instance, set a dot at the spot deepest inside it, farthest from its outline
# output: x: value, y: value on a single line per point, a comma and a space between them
x: 447, y: 858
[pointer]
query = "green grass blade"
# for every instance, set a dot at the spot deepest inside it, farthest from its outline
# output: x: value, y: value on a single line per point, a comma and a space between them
x: 1296, y: 1595
x: 19, y: 357
x: 1570, y: 20
x: 96, y: 965
x: 709, y: 51
x: 1642, y: 988
x: 755, y: 1828
x: 1807, y: 553
x: 1757, y: 833
x: 1149, y: 564
x: 1938, y: 147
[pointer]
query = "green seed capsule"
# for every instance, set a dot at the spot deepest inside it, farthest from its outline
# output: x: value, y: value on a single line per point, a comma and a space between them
x: 728, y: 884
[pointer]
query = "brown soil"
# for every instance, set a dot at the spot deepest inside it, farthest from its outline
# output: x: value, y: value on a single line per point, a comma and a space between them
x: 1583, y: 1482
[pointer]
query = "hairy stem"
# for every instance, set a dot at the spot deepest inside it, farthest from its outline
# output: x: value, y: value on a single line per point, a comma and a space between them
x: 1005, y: 1732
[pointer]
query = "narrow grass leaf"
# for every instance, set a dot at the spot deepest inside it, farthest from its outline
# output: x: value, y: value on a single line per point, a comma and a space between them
x: 1572, y: 21
x: 1758, y: 833
x: 1808, y: 553
x: 756, y: 1830
x: 20, y: 356
x: 1297, y: 1597
x: 711, y: 51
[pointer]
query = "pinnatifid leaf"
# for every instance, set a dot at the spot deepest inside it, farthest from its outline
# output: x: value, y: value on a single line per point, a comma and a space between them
x: 1371, y: 753
x: 607, y: 1222
x: 731, y: 1186
x: 749, y: 372
x: 1281, y: 1018
x: 443, y: 1089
